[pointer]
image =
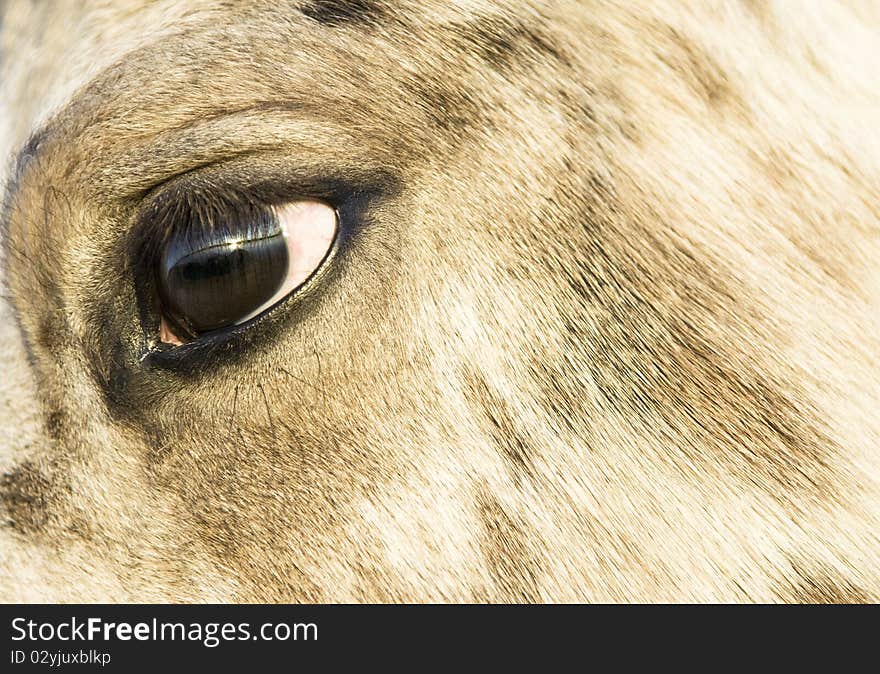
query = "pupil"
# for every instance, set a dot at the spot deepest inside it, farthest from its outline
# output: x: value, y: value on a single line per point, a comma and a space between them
x: 210, y: 280
x: 220, y: 263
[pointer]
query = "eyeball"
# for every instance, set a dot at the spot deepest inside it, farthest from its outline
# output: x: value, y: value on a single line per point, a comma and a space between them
x: 212, y: 277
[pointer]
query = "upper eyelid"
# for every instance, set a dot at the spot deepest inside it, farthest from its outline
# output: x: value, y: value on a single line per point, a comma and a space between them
x: 225, y: 137
x: 275, y: 181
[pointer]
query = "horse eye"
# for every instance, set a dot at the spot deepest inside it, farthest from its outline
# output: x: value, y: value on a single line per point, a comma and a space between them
x: 214, y: 277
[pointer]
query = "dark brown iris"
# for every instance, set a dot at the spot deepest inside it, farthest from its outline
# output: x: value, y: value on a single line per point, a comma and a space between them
x: 212, y: 279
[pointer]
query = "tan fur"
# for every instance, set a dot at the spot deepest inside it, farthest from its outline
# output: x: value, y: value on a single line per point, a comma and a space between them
x: 610, y: 329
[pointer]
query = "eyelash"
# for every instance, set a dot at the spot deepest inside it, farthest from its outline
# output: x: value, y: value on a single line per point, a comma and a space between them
x: 199, y: 215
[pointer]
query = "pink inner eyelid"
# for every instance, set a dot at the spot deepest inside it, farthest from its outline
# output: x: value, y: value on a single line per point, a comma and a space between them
x: 309, y: 228
x: 166, y: 334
